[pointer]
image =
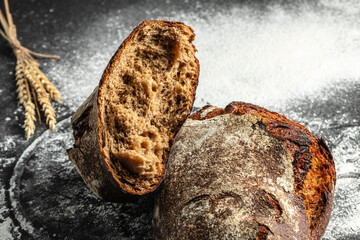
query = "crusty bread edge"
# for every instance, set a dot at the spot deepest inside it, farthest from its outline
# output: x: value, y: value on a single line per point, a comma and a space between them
x: 329, y: 198
x: 212, y: 111
x: 86, y: 155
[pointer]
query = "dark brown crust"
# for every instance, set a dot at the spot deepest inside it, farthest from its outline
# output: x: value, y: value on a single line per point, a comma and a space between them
x: 327, y: 195
x: 302, y: 145
x: 228, y: 179
x: 215, y: 111
x: 87, y: 126
x: 263, y: 232
x: 294, y: 137
x: 86, y: 153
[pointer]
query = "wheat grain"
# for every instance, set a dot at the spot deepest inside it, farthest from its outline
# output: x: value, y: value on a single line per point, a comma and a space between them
x: 54, y: 92
x: 25, y: 98
x: 29, y: 124
x: 34, y: 81
x: 48, y: 111
x: 29, y: 106
x: 42, y: 96
x: 20, y: 82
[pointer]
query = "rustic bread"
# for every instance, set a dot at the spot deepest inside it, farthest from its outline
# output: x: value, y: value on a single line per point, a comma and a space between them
x: 244, y: 172
x: 124, y: 130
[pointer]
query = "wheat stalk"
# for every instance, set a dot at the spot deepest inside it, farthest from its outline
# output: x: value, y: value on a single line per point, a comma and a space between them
x: 32, y: 84
x: 20, y: 83
x: 42, y: 96
x: 54, y: 92
x: 25, y: 99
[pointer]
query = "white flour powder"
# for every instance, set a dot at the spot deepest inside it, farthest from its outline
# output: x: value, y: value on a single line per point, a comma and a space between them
x: 272, y: 57
x: 265, y: 58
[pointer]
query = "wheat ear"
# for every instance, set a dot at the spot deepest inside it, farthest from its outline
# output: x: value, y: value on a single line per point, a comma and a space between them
x: 54, y: 92
x: 25, y: 99
x: 29, y: 78
x: 29, y: 124
x: 42, y: 96
x: 20, y: 82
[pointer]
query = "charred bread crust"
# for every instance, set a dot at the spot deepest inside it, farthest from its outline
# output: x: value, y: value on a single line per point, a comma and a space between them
x: 313, y: 164
x: 88, y: 154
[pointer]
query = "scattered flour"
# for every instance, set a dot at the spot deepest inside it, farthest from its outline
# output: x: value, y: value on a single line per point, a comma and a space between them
x: 345, y: 215
x: 7, y: 144
x: 267, y: 57
x: 5, y: 227
x: 263, y: 57
x: 347, y: 154
x: 274, y: 59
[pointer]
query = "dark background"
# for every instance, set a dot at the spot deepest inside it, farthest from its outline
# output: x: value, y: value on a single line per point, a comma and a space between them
x: 254, y: 51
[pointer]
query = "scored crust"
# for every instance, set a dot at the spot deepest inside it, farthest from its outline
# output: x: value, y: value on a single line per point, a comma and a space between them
x: 313, y: 164
x: 124, y: 130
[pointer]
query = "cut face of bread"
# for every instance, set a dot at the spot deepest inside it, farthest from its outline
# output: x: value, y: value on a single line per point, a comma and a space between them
x: 144, y: 96
x: 144, y: 100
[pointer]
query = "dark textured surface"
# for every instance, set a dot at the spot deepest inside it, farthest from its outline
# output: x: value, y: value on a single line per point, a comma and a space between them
x: 219, y: 187
x: 301, y: 59
x: 309, y: 154
x: 50, y: 200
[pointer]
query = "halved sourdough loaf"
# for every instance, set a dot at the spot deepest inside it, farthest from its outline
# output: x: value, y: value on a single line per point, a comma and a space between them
x: 244, y: 172
x: 124, y: 130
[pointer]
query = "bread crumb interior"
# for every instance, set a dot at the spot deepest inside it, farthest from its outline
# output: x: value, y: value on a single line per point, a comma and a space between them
x: 145, y: 99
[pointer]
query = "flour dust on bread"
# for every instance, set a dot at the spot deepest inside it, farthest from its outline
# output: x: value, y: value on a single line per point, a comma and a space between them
x: 124, y: 130
x: 244, y: 172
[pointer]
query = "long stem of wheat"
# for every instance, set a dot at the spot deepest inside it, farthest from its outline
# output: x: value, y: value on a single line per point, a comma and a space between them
x: 29, y: 78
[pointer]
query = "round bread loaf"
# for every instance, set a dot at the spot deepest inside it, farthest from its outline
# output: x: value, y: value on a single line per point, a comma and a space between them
x: 244, y: 172
x: 124, y: 130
